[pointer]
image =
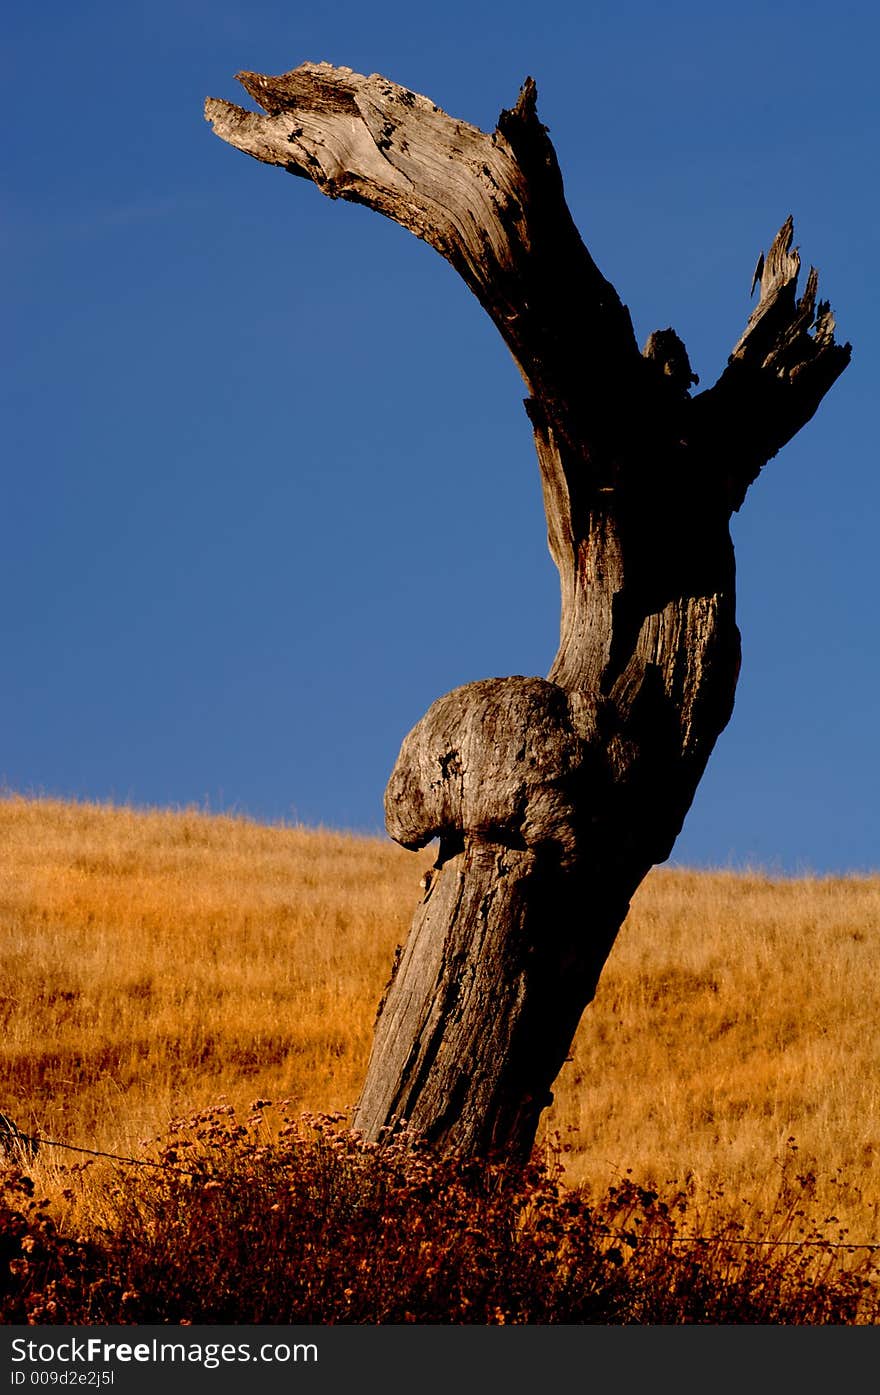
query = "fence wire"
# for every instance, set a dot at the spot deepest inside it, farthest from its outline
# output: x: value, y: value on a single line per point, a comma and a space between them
x: 607, y: 1233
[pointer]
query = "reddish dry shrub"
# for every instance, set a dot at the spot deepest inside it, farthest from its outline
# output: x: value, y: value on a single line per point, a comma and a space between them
x: 313, y: 1225
x: 46, y: 1277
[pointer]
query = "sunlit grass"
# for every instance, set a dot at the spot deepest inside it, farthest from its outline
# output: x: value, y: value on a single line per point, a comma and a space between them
x: 151, y: 962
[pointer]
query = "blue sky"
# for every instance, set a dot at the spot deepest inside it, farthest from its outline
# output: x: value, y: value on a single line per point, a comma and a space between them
x: 248, y: 428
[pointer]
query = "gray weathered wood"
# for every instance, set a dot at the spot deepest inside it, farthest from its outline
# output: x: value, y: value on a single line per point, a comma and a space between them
x: 551, y: 798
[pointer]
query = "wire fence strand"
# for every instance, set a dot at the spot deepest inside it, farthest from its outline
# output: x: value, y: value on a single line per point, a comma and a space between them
x: 608, y: 1233
x: 39, y: 1142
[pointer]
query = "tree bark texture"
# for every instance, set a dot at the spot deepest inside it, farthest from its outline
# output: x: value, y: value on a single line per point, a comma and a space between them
x: 551, y: 798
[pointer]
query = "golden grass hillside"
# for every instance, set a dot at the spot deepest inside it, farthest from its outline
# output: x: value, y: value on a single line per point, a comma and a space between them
x: 152, y: 962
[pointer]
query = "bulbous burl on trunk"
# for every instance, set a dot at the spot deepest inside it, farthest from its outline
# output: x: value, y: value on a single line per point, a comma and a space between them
x: 551, y: 798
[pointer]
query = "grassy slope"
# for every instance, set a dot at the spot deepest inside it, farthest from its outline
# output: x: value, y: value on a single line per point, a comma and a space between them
x: 150, y: 962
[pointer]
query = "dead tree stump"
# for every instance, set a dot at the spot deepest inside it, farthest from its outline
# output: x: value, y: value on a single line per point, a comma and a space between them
x: 552, y: 798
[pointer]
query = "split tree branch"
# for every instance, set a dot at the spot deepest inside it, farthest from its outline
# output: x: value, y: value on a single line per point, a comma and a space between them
x: 492, y: 204
x: 778, y: 373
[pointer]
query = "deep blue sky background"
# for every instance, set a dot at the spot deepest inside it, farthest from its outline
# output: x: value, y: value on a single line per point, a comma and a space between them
x: 248, y: 428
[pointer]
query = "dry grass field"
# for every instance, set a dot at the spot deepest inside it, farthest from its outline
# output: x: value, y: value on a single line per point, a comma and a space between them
x: 152, y: 962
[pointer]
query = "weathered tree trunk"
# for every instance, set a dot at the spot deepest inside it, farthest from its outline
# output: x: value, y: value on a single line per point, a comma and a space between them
x: 552, y: 798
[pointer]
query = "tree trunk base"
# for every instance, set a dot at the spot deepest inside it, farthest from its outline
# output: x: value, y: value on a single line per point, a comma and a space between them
x: 485, y: 1000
